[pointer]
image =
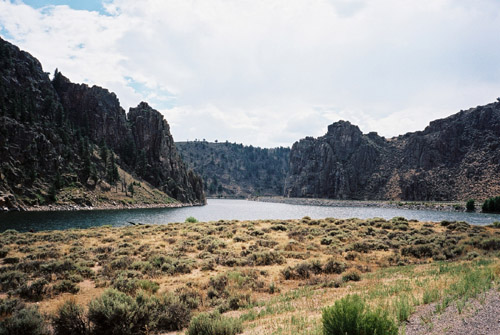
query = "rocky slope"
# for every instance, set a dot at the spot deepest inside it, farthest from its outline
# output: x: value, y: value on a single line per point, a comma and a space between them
x: 57, y: 137
x: 235, y: 170
x: 455, y: 158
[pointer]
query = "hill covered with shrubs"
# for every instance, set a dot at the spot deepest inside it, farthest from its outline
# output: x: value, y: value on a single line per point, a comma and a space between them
x: 236, y: 170
x: 235, y: 276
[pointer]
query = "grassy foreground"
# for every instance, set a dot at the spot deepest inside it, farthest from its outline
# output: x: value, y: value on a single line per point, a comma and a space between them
x: 259, y: 277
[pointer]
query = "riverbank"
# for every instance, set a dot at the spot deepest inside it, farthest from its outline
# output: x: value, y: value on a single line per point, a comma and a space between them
x: 103, y: 197
x: 115, y: 206
x: 103, y: 206
x: 414, y: 205
x: 269, y: 276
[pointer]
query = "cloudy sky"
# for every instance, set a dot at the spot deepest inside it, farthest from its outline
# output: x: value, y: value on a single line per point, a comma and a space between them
x: 268, y: 72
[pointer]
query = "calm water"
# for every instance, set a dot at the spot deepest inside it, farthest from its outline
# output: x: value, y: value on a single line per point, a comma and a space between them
x: 219, y: 209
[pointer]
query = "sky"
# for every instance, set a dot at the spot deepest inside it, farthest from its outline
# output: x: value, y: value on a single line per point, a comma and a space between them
x: 269, y: 72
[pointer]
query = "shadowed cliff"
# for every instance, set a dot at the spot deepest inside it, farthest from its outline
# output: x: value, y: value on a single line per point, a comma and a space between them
x: 64, y: 140
x: 455, y: 158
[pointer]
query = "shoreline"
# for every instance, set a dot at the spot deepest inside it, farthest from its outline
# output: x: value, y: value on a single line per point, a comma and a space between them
x: 440, y: 206
x: 74, y: 207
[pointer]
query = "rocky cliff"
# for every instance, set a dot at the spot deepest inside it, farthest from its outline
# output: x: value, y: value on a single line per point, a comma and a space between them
x: 158, y: 160
x: 64, y: 140
x: 455, y: 158
x: 235, y: 170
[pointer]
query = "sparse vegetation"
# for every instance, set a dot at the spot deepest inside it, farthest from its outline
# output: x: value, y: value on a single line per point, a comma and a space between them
x: 214, y: 324
x: 350, y: 315
x: 156, y: 277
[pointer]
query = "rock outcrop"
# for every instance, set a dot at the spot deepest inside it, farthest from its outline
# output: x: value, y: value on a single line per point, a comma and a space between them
x: 455, y: 158
x: 57, y: 134
x: 97, y: 112
x: 159, y: 163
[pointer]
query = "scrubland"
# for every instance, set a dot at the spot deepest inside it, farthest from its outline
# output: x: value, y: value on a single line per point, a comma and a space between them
x: 229, y: 277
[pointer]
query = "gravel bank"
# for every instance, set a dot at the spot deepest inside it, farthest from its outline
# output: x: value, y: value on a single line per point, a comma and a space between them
x: 479, y: 317
x: 417, y: 205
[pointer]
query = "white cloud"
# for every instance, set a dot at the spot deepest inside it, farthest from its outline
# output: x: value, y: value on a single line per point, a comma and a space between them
x: 270, y: 72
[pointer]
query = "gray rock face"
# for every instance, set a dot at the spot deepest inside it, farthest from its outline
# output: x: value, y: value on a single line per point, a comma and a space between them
x: 96, y: 111
x: 51, y: 130
x: 455, y: 158
x: 161, y: 165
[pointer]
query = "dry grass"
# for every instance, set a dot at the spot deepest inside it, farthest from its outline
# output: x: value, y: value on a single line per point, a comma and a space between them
x: 238, y: 267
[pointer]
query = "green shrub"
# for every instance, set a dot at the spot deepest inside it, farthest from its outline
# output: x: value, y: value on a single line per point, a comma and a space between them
x: 117, y: 313
x: 265, y: 258
x: 430, y: 295
x: 351, y: 316
x: 333, y: 266
x: 66, y: 286
x: 26, y: 321
x: 470, y: 205
x: 171, y: 313
x: 191, y: 219
x: 490, y: 244
x: 113, y: 313
x: 11, y: 260
x: 491, y: 204
x: 125, y: 284
x: 3, y: 252
x: 11, y: 280
x: 403, y: 307
x: 34, y: 291
x: 148, y: 285
x: 70, y: 319
x: 303, y: 270
x: 352, y: 275
x: 9, y: 306
x: 214, y: 324
x: 420, y: 251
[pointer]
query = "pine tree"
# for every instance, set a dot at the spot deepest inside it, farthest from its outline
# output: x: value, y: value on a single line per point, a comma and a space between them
x: 112, y: 172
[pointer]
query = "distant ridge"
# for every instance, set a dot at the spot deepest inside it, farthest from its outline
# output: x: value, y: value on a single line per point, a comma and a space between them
x: 236, y: 170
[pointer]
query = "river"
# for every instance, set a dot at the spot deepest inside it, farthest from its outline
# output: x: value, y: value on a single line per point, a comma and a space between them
x: 218, y: 209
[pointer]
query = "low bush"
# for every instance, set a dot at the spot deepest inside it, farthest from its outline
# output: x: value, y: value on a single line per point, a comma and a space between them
x: 168, y: 313
x: 70, y: 319
x: 191, y: 219
x: 3, y: 252
x: 66, y: 286
x: 333, y: 266
x: 113, y: 313
x: 33, y: 291
x: 350, y: 315
x: 26, y: 321
x: 214, y: 324
x: 420, y: 251
x: 265, y: 258
x: 490, y: 244
x: 117, y: 313
x: 11, y: 280
x: 9, y: 306
x: 11, y: 260
x: 352, y: 275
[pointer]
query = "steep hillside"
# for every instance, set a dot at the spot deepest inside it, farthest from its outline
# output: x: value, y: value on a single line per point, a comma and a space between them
x: 63, y: 143
x: 455, y: 158
x: 235, y: 170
